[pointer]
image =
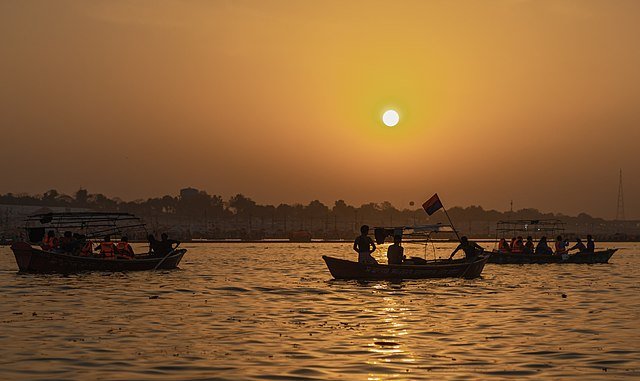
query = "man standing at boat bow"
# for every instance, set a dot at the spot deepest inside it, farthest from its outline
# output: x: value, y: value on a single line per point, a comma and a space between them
x: 470, y: 248
x: 364, y: 246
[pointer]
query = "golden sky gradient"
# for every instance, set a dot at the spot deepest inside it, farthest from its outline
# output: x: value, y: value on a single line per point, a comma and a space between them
x: 533, y: 101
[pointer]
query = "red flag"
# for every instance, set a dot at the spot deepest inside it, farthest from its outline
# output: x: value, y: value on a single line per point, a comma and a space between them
x: 432, y: 205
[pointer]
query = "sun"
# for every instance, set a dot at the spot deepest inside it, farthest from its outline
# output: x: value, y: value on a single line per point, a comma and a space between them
x: 390, y: 118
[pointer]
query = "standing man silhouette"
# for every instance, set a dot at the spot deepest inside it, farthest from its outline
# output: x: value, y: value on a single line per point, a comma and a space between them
x: 364, y: 246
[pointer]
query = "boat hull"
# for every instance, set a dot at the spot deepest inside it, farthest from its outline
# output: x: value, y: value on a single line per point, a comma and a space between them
x: 34, y: 260
x: 344, y: 269
x: 601, y: 256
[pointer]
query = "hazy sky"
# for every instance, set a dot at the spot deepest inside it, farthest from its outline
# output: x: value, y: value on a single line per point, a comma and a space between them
x: 533, y: 101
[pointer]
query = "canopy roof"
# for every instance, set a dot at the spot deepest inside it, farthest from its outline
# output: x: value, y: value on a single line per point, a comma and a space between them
x: 91, y: 224
x: 531, y: 226
x: 421, y: 231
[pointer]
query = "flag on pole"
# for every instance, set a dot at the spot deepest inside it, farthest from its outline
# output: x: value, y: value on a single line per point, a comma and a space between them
x: 432, y: 205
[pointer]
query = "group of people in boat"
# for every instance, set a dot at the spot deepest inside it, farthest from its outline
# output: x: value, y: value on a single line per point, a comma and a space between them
x: 78, y: 244
x: 364, y: 246
x: 518, y: 246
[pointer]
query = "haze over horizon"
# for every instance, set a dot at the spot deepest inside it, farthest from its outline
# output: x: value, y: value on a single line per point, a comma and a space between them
x: 530, y: 101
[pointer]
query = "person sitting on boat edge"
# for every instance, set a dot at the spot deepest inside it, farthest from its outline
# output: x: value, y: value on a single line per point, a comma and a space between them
x: 123, y: 249
x: 543, y: 247
x: 107, y: 248
x: 561, y: 245
x: 591, y: 246
x: 529, y: 246
x: 395, y: 252
x: 578, y: 246
x: 364, y: 246
x: 470, y: 248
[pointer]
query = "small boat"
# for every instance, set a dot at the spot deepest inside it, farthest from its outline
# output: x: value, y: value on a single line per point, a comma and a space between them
x: 413, y: 268
x: 537, y: 229
x: 600, y: 256
x: 32, y: 258
x: 35, y: 260
x: 460, y: 268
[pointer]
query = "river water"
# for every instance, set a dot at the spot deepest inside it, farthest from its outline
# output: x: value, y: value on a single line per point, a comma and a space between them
x: 271, y: 312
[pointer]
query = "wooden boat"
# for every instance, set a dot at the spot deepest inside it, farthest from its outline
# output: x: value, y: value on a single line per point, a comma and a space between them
x: 600, y: 256
x: 537, y: 229
x: 31, y: 258
x: 461, y: 268
x: 34, y: 260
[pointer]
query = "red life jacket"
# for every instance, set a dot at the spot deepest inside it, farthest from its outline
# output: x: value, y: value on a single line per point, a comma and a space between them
x: 107, y: 249
x: 124, y: 249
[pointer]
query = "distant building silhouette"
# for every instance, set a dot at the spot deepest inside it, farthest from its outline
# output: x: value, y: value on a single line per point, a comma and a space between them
x: 187, y: 193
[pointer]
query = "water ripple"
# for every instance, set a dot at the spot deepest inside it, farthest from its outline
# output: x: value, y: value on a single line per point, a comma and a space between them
x: 271, y: 312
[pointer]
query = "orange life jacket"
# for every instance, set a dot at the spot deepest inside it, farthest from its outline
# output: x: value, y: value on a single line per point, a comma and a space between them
x: 87, y: 249
x: 49, y: 243
x: 517, y: 247
x: 107, y: 249
x: 124, y: 249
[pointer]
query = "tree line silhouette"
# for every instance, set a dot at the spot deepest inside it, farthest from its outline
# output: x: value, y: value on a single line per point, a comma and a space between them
x: 197, y: 214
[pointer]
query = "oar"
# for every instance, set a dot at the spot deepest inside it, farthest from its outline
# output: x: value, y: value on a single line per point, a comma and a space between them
x: 163, y: 259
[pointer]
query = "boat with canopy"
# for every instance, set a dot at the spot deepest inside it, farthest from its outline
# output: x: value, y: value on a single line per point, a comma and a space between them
x: 32, y: 257
x: 412, y: 268
x: 507, y: 229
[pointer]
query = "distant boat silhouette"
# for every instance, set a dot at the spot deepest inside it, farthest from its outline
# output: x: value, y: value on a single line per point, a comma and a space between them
x: 34, y: 259
x: 549, y: 227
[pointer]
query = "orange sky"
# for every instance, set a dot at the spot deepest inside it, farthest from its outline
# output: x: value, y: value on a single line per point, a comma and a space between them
x: 281, y: 100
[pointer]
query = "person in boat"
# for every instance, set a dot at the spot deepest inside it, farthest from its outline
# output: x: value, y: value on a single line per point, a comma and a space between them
x: 543, y: 247
x: 49, y: 242
x: 106, y: 248
x: 591, y: 246
x: 364, y: 246
x: 86, y: 246
x: 123, y: 249
x: 470, y: 248
x: 529, y: 246
x: 395, y: 252
x: 70, y: 243
x: 154, y: 245
x: 503, y: 246
x: 65, y: 242
x: 513, y: 243
x: 518, y: 246
x: 578, y: 246
x: 162, y: 247
x: 561, y: 245
x: 75, y: 245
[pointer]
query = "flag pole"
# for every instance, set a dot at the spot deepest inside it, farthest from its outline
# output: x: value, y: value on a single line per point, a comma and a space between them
x: 451, y: 223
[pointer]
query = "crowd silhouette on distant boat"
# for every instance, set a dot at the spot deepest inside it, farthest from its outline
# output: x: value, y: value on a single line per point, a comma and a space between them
x: 79, y: 245
x: 561, y: 246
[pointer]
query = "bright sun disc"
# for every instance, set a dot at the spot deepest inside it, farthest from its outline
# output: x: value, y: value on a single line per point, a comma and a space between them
x: 390, y: 118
